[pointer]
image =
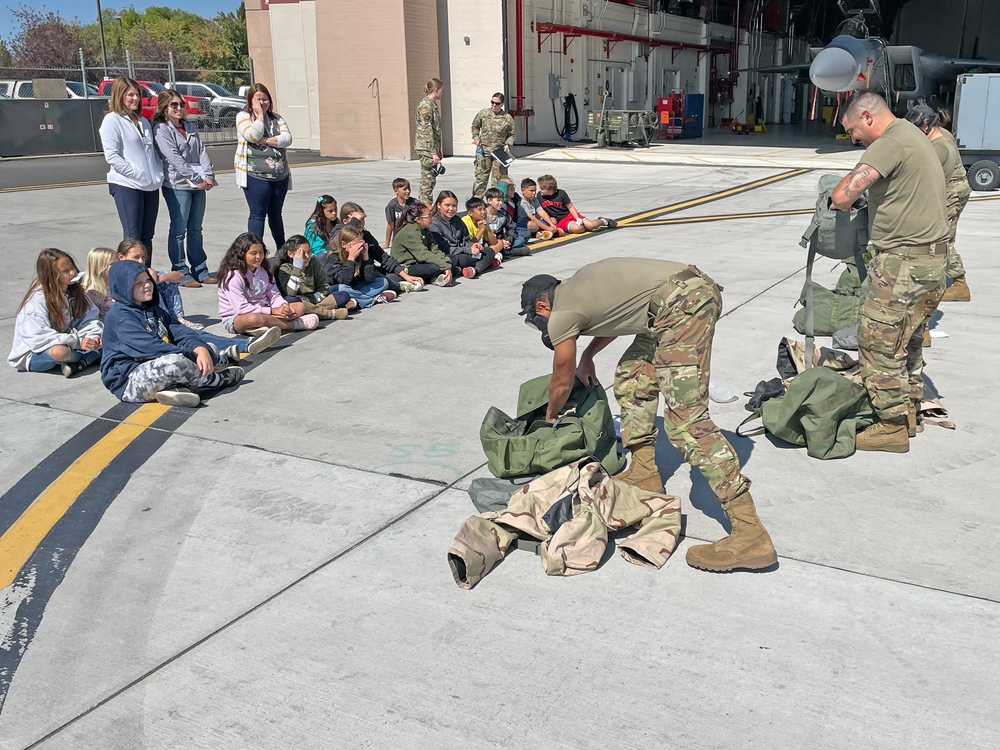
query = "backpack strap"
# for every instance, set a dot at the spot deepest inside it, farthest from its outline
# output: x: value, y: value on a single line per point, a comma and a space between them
x: 851, y: 236
x: 760, y: 430
x: 810, y: 306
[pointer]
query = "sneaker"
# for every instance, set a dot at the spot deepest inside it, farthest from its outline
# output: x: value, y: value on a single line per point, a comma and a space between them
x: 560, y: 232
x: 192, y: 284
x: 256, y: 332
x: 231, y: 376
x: 469, y: 273
x: 545, y: 235
x: 268, y: 339
x: 72, y: 368
x: 190, y: 323
x: 230, y: 355
x: 410, y: 286
x: 611, y: 223
x: 182, y: 396
x: 497, y: 261
x: 307, y: 322
x: 439, y: 280
x: 389, y: 295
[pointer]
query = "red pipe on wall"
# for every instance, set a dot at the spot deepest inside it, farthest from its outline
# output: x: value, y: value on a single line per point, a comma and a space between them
x: 519, y: 109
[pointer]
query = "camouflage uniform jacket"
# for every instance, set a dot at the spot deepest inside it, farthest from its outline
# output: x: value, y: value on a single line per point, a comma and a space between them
x: 428, y: 121
x: 493, y: 130
x: 571, y: 510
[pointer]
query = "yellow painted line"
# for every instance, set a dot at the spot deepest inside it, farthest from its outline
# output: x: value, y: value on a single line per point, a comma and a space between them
x: 706, y: 161
x: 84, y: 183
x: 722, y: 217
x: 714, y: 196
x: 20, y: 541
x: 629, y: 156
x: 571, y: 155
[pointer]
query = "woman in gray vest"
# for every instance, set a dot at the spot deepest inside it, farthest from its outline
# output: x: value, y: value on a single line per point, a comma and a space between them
x: 187, y: 176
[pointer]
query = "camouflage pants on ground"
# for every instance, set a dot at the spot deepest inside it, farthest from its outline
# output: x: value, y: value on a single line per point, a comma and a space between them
x: 427, y: 177
x: 903, y: 293
x: 488, y: 172
x: 957, y: 201
x: 571, y: 510
x: 168, y: 371
x: 674, y: 359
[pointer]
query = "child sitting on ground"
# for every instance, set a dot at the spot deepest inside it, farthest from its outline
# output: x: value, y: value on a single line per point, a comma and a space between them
x: 300, y: 278
x: 166, y: 281
x: 414, y: 247
x: 149, y: 355
x: 399, y: 280
x: 248, y: 299
x: 95, y: 279
x: 561, y: 209
x: 56, y: 325
x: 395, y: 208
x: 322, y: 224
x: 531, y: 216
x: 349, y: 269
x: 501, y: 225
x: 452, y: 235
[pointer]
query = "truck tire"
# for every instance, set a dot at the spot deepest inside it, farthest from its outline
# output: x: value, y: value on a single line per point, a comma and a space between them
x: 984, y: 175
x: 602, y: 140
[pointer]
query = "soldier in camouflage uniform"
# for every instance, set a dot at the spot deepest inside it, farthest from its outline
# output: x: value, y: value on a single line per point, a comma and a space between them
x: 671, y: 309
x: 427, y: 143
x: 570, y: 510
x: 492, y: 128
x: 957, y: 196
x: 906, y: 278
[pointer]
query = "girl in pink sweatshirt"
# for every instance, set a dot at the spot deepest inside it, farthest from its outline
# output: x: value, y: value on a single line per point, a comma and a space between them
x: 248, y: 298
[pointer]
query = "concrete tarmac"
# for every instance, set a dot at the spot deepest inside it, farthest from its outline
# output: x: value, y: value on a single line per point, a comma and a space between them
x: 268, y: 571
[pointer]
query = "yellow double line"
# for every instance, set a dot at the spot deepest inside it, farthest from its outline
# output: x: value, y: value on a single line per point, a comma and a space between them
x: 19, y: 542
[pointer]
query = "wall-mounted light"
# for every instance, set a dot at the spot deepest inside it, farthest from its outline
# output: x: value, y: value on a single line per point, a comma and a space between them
x: 467, y: 42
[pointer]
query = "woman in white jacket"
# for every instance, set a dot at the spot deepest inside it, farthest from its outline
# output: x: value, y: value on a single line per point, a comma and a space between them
x: 261, y: 166
x: 136, y: 172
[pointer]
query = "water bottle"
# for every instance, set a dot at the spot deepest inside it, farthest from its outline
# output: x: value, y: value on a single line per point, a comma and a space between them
x: 720, y: 391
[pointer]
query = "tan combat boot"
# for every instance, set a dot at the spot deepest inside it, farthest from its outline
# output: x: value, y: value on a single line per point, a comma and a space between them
x: 747, y: 548
x: 890, y: 436
x: 642, y: 471
x: 326, y: 312
x: 958, y: 291
x: 911, y: 419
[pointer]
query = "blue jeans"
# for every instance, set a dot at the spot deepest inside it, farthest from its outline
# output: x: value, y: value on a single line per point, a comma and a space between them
x: 170, y: 298
x: 137, y: 211
x: 187, y: 211
x: 365, y: 292
x: 221, y: 343
x: 265, y: 198
x: 43, y: 362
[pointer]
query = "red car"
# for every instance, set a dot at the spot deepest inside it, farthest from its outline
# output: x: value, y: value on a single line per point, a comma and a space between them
x: 197, y: 107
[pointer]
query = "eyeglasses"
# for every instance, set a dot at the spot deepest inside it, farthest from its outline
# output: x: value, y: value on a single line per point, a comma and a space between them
x: 175, y: 105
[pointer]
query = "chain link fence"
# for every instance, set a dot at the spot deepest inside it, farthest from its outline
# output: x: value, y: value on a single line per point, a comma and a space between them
x: 212, y: 96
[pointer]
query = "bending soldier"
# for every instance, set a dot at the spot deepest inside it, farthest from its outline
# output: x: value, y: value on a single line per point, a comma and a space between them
x: 671, y: 309
x: 492, y: 128
x: 907, y: 227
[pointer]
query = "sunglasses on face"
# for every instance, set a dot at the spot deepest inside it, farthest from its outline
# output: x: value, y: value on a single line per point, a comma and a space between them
x: 175, y: 105
x: 497, y: 104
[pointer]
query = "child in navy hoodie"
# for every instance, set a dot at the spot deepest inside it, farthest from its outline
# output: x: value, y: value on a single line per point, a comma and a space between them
x: 148, y: 354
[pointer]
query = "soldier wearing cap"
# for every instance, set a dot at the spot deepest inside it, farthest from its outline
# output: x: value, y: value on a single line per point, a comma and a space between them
x: 671, y: 310
x: 906, y: 278
x: 492, y: 128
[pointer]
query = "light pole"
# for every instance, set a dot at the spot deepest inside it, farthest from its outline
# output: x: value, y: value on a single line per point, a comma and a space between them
x: 104, y: 50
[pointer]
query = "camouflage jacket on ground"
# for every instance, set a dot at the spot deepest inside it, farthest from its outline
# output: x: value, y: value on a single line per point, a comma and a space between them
x: 493, y: 130
x: 428, y: 121
x: 571, y: 510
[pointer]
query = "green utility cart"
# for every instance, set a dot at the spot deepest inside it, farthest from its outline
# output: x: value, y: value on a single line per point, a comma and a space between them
x: 619, y: 127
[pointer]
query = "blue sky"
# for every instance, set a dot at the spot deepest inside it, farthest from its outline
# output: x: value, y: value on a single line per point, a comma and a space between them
x: 86, y: 10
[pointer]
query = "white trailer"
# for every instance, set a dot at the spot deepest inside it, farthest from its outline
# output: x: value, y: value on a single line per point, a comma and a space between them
x: 976, y: 127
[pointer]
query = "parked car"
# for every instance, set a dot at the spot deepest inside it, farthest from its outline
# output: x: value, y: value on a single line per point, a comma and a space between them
x: 197, y: 108
x: 26, y: 89
x: 223, y: 102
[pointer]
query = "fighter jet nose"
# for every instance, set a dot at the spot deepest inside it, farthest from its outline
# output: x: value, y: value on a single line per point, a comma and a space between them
x: 834, y: 69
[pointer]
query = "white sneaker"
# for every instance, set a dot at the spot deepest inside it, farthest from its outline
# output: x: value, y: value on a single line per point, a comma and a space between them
x: 264, y: 341
x: 410, y: 286
x: 178, y: 397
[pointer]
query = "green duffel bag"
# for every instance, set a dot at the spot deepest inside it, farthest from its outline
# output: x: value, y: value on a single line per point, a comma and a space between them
x: 832, y: 311
x: 528, y: 445
x: 821, y: 410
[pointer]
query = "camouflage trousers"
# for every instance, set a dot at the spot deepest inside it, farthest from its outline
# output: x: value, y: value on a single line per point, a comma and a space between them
x: 488, y: 172
x: 903, y: 292
x: 167, y: 371
x: 957, y: 201
x: 674, y: 359
x: 571, y: 510
x: 428, y: 179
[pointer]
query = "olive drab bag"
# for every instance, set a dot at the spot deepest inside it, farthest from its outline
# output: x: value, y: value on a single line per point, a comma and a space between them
x: 820, y: 409
x: 839, y: 235
x: 528, y: 445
